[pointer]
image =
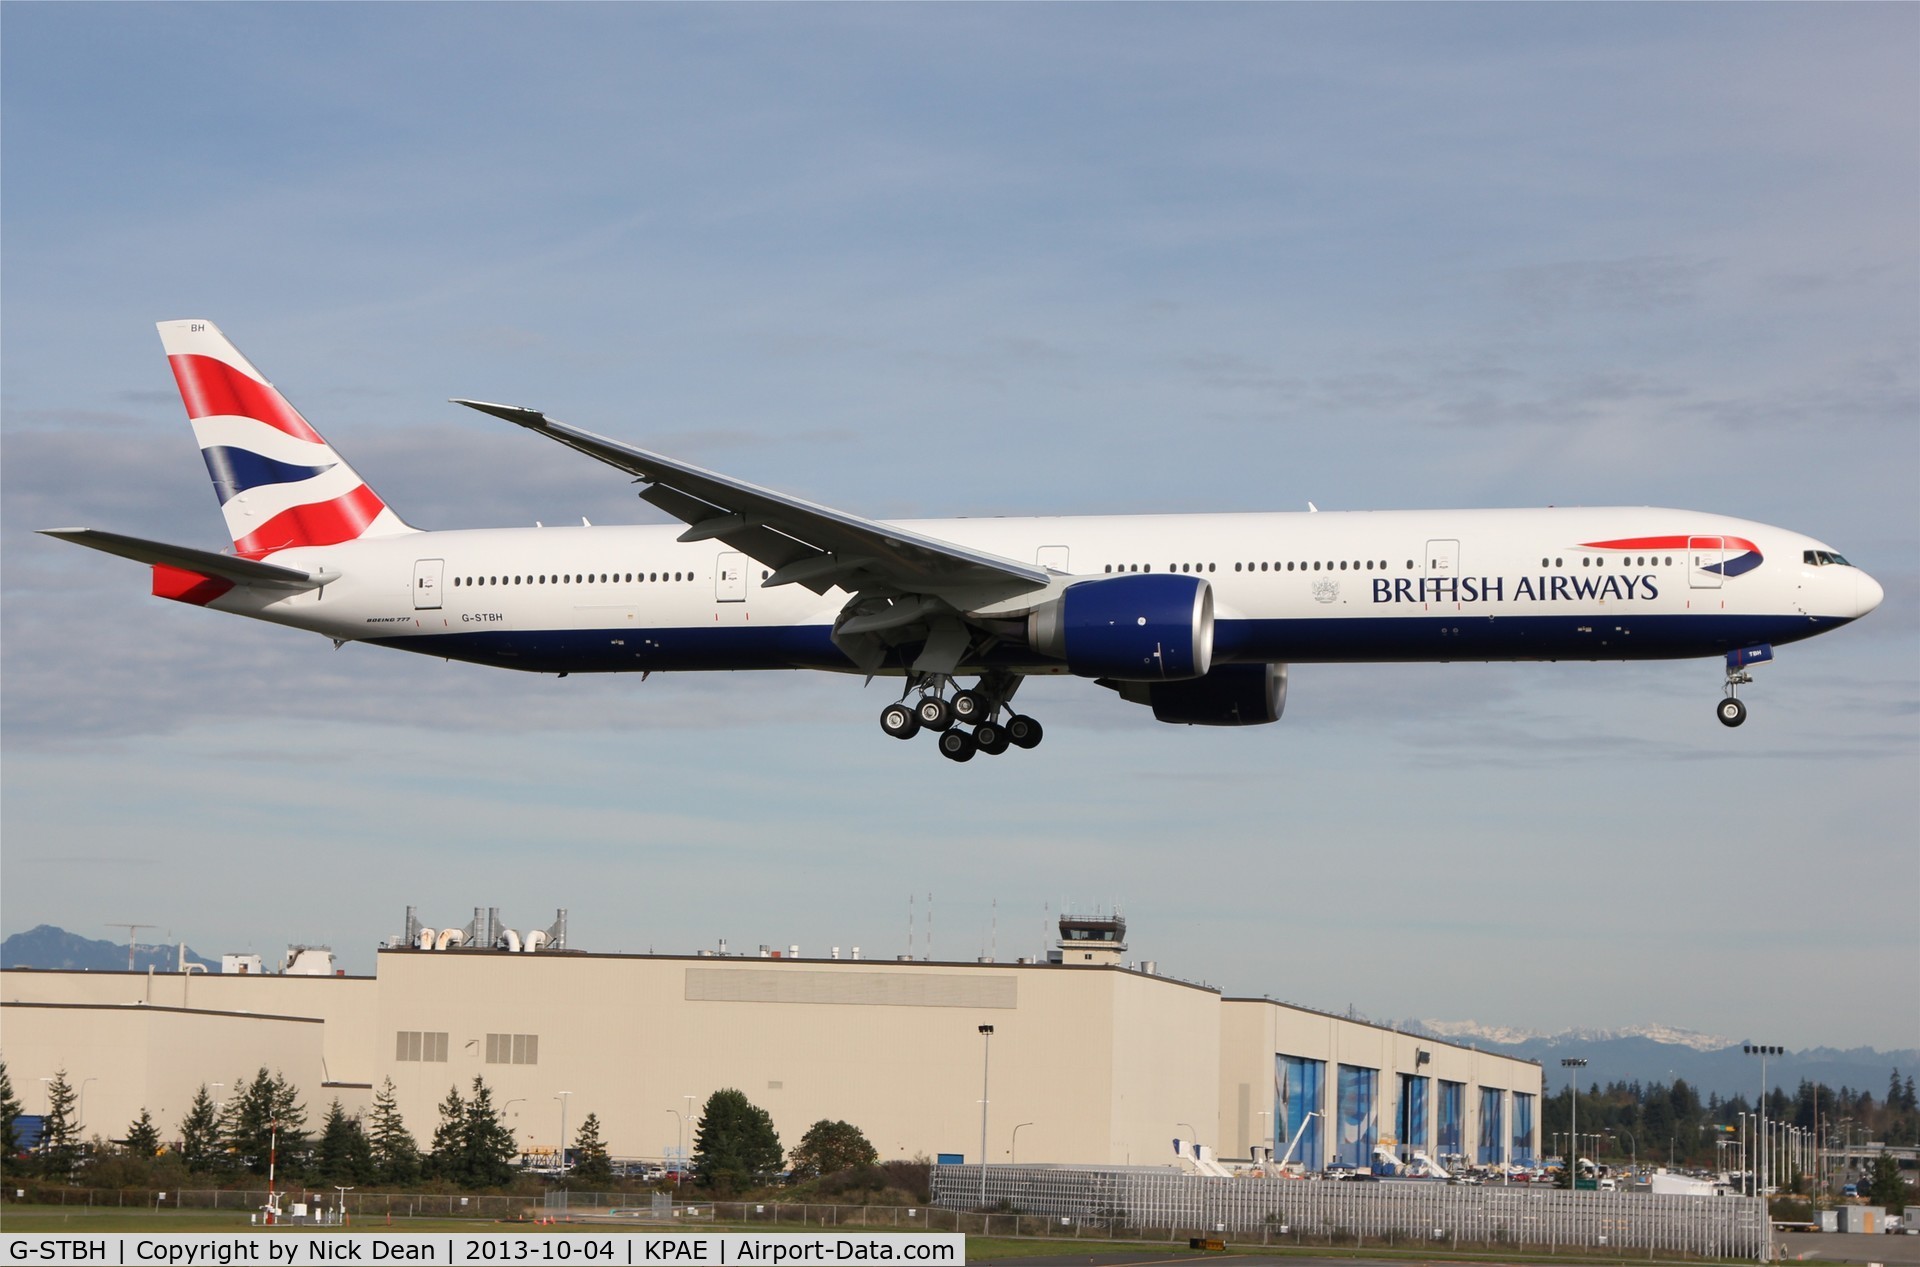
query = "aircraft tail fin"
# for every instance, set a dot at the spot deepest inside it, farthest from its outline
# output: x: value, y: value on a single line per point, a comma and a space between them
x: 279, y: 483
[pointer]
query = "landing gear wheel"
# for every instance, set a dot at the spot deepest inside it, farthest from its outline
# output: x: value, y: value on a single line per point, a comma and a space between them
x: 991, y: 738
x: 1023, y: 731
x: 1731, y: 711
x: 900, y: 721
x: 970, y: 706
x: 935, y: 713
x: 957, y: 745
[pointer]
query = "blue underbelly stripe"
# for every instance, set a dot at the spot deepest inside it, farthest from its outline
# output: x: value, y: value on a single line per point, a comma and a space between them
x: 1337, y: 640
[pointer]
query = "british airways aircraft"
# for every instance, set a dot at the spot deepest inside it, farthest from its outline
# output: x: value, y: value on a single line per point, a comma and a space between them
x: 1195, y: 616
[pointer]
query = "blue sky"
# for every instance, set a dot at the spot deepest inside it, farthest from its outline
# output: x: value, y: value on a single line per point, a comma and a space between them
x: 933, y: 260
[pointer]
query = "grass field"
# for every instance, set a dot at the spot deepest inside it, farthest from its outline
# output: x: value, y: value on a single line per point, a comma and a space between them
x: 75, y: 1219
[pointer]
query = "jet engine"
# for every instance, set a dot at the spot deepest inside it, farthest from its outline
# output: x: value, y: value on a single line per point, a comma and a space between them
x: 1145, y: 628
x: 1231, y: 695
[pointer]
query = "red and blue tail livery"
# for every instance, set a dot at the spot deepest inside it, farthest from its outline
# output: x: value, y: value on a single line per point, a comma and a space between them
x: 279, y: 483
x: 1199, y: 617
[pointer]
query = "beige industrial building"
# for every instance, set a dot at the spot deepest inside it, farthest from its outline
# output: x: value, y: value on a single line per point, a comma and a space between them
x: 1088, y: 1060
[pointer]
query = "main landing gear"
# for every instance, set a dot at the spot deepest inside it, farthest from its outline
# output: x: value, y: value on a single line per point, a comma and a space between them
x: 966, y: 722
x: 1730, y: 710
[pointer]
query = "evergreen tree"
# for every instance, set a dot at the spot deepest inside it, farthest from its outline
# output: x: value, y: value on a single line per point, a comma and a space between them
x: 59, y: 1144
x: 1910, y: 1104
x: 448, y: 1160
x: 395, y: 1154
x: 143, y: 1137
x: 1886, y: 1187
x: 200, y: 1133
x: 265, y: 1124
x: 735, y: 1144
x: 488, y: 1145
x: 590, y: 1161
x: 9, y: 1114
x: 830, y: 1147
x: 343, y: 1155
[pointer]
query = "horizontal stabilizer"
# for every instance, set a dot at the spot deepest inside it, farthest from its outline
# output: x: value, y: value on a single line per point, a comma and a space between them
x: 188, y: 558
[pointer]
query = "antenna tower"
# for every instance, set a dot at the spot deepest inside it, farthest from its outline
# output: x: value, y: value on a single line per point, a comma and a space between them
x: 133, y: 931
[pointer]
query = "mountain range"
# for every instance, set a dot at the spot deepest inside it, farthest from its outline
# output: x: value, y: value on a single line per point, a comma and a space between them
x: 1661, y: 1053
x: 50, y: 947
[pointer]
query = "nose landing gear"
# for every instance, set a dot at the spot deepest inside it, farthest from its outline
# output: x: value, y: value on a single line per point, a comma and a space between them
x: 1730, y: 710
x: 966, y: 723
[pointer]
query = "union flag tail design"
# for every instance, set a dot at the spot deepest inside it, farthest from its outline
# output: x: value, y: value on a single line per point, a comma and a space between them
x: 280, y: 485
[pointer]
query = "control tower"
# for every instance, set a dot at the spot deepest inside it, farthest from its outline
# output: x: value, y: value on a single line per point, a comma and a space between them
x: 1096, y: 940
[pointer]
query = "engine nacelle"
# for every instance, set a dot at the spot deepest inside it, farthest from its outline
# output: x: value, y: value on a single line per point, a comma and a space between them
x: 1145, y: 628
x: 1231, y: 695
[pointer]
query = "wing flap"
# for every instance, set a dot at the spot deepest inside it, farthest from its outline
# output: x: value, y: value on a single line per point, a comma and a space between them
x: 209, y: 563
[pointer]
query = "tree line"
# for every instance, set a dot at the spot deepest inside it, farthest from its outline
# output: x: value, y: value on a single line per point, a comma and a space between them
x: 1670, y: 1123
x: 265, y: 1125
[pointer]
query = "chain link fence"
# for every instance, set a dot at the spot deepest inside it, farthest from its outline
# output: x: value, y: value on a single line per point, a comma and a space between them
x: 1123, y: 1202
x: 1120, y: 1200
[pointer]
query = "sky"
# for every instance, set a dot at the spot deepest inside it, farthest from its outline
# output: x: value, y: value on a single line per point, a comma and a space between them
x: 968, y: 260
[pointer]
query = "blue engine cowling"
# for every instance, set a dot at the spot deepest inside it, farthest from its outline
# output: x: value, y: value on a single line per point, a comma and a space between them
x: 1146, y: 628
x: 1231, y: 695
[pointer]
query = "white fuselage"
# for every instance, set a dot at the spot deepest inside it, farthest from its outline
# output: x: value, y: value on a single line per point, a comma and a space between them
x: 1293, y: 587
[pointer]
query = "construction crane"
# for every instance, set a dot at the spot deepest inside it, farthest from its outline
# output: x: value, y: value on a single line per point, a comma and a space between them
x: 132, y: 939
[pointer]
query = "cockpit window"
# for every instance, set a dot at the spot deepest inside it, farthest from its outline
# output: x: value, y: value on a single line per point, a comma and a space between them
x: 1823, y: 558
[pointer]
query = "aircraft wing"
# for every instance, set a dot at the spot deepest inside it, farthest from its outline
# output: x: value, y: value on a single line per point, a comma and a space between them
x: 800, y: 542
x: 206, y: 562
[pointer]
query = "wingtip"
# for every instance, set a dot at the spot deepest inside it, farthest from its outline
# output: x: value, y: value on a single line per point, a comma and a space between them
x: 519, y: 414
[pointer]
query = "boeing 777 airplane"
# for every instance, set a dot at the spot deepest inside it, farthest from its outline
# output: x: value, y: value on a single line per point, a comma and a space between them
x: 1195, y: 616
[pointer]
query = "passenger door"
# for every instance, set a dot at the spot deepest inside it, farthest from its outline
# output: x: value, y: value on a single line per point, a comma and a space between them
x: 730, y: 578
x: 427, y: 574
x: 1704, y: 553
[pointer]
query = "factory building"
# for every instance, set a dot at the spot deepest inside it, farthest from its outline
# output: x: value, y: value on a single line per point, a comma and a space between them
x: 1081, y: 1059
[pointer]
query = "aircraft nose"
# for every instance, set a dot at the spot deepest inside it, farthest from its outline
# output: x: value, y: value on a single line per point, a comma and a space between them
x: 1866, y: 594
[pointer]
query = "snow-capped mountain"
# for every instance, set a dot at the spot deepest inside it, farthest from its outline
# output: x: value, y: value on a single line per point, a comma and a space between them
x: 1508, y: 1036
x: 1662, y: 1053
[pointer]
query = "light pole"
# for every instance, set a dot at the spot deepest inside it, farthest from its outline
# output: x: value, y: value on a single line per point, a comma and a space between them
x: 1013, y: 1149
x: 1573, y: 1118
x: 986, y: 1069
x: 688, y: 1141
x: 343, y: 1201
x: 562, y: 1097
x: 1191, y: 1132
x: 80, y: 1127
x: 679, y: 1132
x: 1266, y: 1132
x: 1763, y: 1052
x: 518, y: 1099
